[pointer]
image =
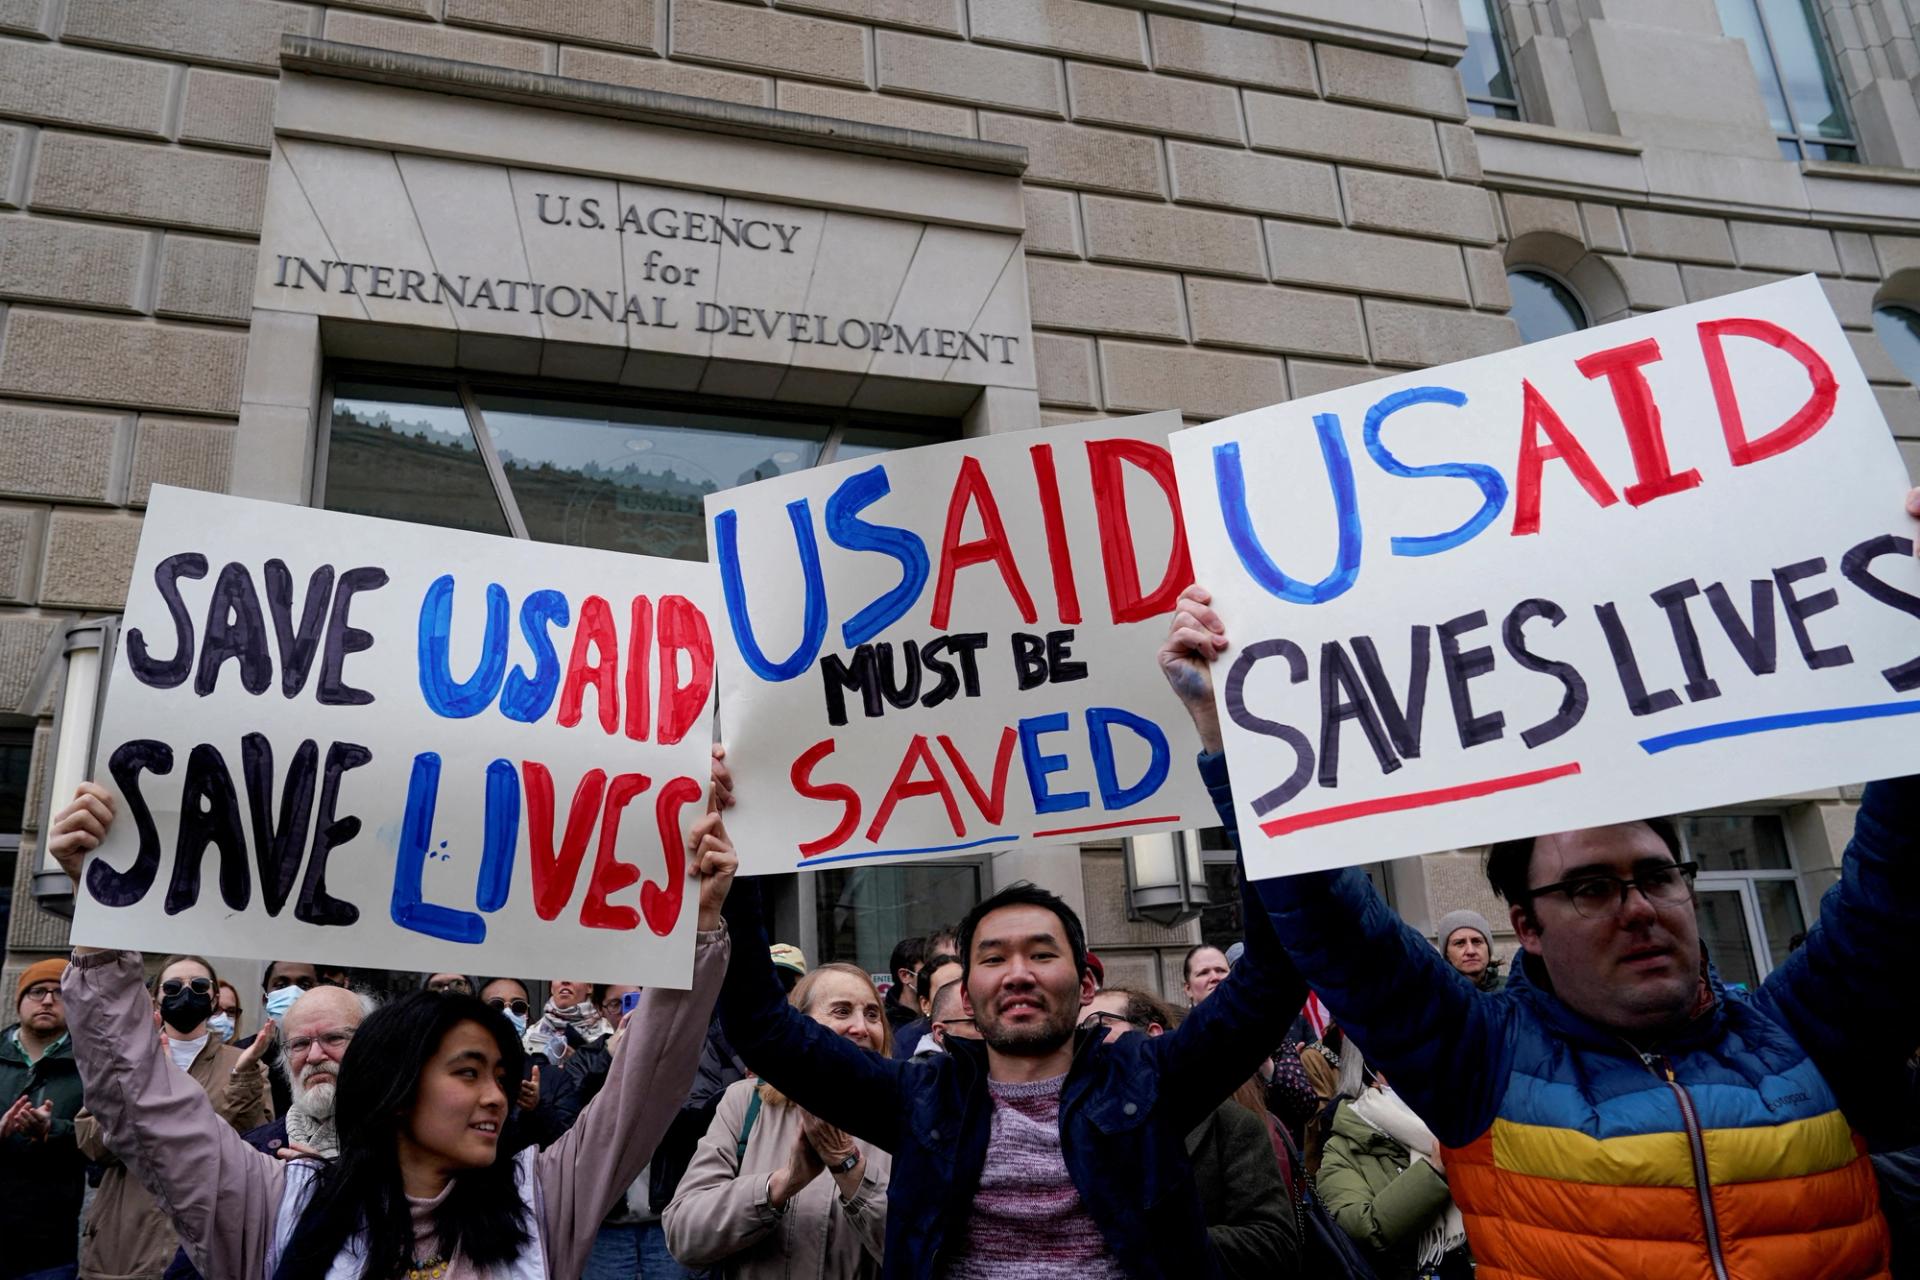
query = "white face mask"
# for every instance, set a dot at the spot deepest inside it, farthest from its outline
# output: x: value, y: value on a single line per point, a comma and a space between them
x: 221, y: 1024
x: 519, y: 1021
x: 281, y: 999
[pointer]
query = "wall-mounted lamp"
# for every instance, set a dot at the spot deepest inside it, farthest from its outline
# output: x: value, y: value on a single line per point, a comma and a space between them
x: 1165, y: 882
x: 78, y: 660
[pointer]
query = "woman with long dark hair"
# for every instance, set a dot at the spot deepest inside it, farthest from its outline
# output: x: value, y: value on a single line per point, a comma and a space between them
x: 421, y: 1189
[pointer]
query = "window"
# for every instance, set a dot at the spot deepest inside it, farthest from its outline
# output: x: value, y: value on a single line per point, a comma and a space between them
x: 1899, y: 330
x: 1543, y: 307
x: 1488, y: 78
x: 1796, y: 76
x: 860, y: 912
x: 1748, y: 893
x: 16, y: 759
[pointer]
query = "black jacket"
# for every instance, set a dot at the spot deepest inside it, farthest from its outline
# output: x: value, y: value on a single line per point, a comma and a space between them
x: 41, y: 1183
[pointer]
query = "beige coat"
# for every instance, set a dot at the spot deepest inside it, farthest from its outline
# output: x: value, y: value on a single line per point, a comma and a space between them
x: 720, y: 1217
x: 127, y: 1235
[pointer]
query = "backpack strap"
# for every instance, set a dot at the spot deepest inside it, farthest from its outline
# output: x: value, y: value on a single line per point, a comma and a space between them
x: 746, y: 1128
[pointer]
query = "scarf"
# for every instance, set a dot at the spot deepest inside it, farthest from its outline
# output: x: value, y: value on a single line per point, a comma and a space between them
x: 1387, y: 1112
x: 554, y: 1021
x: 316, y: 1133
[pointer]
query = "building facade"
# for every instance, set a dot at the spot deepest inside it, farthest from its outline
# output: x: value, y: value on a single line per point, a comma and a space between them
x: 557, y: 268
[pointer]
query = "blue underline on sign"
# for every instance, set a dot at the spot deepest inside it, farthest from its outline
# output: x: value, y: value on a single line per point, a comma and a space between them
x: 901, y: 853
x: 1767, y: 724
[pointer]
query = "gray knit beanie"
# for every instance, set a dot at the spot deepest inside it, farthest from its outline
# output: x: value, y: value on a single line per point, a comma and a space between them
x: 1457, y: 920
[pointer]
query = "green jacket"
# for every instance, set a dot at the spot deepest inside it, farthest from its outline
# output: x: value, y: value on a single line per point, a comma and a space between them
x: 41, y: 1183
x: 1249, y: 1212
x: 1369, y: 1185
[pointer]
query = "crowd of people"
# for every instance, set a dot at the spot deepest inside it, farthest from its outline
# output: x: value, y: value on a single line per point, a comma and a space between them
x: 1600, y: 1105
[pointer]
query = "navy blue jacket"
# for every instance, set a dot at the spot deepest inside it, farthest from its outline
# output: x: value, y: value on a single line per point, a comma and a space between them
x: 1125, y: 1109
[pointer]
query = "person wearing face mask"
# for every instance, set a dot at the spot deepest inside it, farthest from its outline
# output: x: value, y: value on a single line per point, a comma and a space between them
x: 127, y: 1236
x: 284, y: 982
x: 546, y: 1103
x: 225, y: 1022
x: 774, y: 1191
x: 569, y: 1021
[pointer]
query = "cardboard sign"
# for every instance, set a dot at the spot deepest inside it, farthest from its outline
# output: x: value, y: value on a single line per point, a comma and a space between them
x: 1651, y: 567
x: 952, y: 648
x: 384, y: 744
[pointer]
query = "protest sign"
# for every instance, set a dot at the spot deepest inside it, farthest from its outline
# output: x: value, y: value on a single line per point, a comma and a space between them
x: 386, y: 744
x: 1655, y: 566
x: 952, y: 648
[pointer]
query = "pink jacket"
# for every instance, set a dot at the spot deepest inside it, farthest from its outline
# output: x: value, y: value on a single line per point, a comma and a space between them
x: 223, y: 1197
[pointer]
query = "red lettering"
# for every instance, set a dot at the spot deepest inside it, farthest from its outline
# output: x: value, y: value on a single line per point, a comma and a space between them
x: 660, y: 906
x: 1065, y: 591
x: 904, y: 787
x: 1806, y: 420
x: 683, y: 629
x: 803, y: 783
x: 639, y: 647
x: 969, y: 490
x: 553, y: 877
x: 596, y: 629
x: 1124, y: 597
x: 1537, y: 415
x: 1624, y: 370
x: 610, y: 874
x: 990, y: 806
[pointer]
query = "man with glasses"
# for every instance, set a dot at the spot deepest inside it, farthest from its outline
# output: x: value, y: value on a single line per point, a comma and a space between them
x: 948, y: 1019
x: 455, y: 983
x: 42, y: 1174
x: 1616, y: 1110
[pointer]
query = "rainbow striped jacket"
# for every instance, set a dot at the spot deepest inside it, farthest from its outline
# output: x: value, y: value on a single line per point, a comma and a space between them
x: 1733, y: 1150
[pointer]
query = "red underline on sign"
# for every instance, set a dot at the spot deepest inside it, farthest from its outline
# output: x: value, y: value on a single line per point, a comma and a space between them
x: 1414, y: 800
x: 1106, y: 826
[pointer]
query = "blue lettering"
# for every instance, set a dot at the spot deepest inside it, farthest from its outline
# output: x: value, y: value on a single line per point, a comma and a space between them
x: 526, y: 698
x: 502, y: 836
x: 1491, y: 483
x: 1231, y: 482
x: 1039, y: 765
x: 448, y: 697
x: 1100, y: 721
x: 848, y: 530
x: 410, y: 909
x: 814, y: 624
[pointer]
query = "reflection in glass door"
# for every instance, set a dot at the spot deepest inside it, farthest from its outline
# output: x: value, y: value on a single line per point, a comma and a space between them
x: 1725, y: 930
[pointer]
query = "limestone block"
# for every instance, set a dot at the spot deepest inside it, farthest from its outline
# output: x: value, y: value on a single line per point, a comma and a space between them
x: 240, y: 33
x: 708, y: 31
x: 1852, y: 301
x: 929, y: 15
x: 1874, y: 360
x: 1067, y: 417
x: 15, y: 143
x: 53, y: 260
x: 225, y: 110
x: 1901, y: 405
x: 968, y: 73
x: 1360, y: 260
x: 1074, y: 27
x: 1527, y: 215
x: 78, y: 87
x: 406, y: 8
x: 1856, y: 254
x: 1649, y: 283
x: 23, y: 639
x: 665, y: 77
x: 1163, y: 104
x: 1302, y: 126
x: 1254, y: 182
x: 1783, y: 248
x: 1487, y: 278
x: 19, y: 543
x: 1604, y: 232
x: 1443, y: 210
x: 1092, y: 159
x: 1654, y: 234
x: 89, y: 560
x: 142, y: 182
x: 1053, y: 222
x: 1219, y: 52
x: 185, y: 452
x: 1687, y: 91
x: 58, y: 453
x: 1910, y: 454
x: 28, y: 17
x: 1261, y: 317
x: 875, y: 108
x: 55, y: 356
x: 435, y: 41
x: 1702, y: 283
x: 1392, y: 80
x: 1073, y: 295
x: 1131, y: 231
x: 1404, y: 334
x: 1312, y: 377
x: 1897, y: 253
x: 624, y: 24
x: 206, y: 279
x: 1143, y: 377
x: 1064, y: 365
x: 1460, y: 151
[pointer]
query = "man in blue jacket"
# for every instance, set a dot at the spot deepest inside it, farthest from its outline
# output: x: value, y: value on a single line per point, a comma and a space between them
x: 1038, y: 1150
x: 1616, y: 1110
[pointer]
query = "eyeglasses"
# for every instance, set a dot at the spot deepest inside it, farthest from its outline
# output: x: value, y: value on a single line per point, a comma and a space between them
x: 1598, y: 896
x: 334, y: 1042
x: 498, y: 1003
x: 953, y: 1022
x: 459, y: 986
x: 1106, y: 1021
x: 199, y: 986
x: 41, y: 994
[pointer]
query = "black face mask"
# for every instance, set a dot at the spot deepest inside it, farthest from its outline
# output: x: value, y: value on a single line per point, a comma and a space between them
x: 187, y: 1010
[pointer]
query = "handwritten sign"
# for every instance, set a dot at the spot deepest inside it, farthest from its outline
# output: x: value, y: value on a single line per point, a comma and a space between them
x: 391, y: 745
x: 1651, y: 567
x: 952, y: 648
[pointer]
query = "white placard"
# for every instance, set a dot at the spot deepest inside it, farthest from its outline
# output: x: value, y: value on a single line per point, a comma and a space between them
x: 383, y: 744
x: 952, y: 648
x: 1651, y: 567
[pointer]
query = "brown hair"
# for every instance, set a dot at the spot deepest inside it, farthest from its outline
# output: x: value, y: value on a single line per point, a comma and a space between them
x: 171, y: 961
x: 801, y: 998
